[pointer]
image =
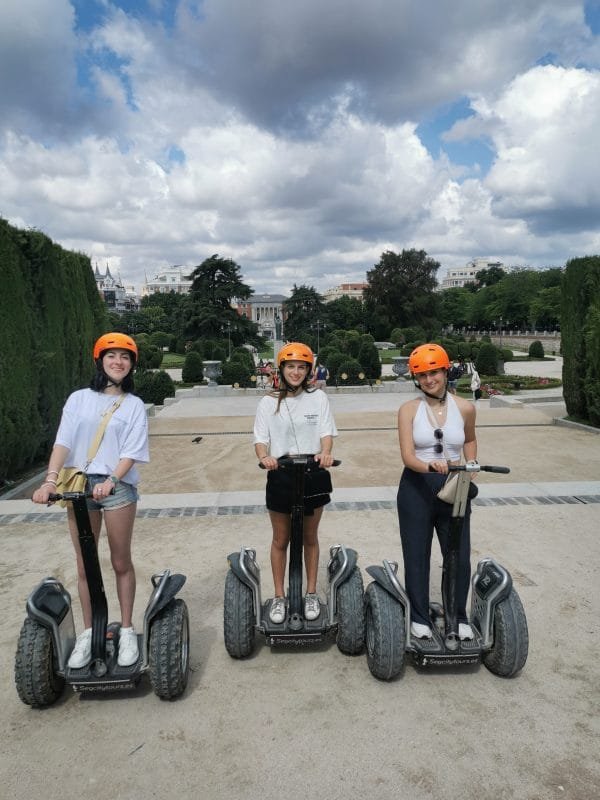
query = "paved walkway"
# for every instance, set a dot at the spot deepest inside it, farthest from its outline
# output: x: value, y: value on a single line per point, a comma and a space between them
x: 314, y: 722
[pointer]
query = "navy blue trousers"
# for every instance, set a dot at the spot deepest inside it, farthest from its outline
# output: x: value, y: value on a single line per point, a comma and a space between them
x: 420, y: 512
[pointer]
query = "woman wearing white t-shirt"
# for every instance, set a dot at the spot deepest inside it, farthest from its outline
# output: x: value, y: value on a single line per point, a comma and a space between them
x: 124, y: 443
x: 297, y: 419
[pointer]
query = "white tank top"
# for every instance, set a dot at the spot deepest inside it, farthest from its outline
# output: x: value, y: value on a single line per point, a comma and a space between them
x: 453, y: 430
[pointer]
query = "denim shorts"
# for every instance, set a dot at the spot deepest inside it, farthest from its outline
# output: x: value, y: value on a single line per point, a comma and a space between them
x: 125, y: 494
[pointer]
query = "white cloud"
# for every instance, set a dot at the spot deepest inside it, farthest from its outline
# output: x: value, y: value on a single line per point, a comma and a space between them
x: 285, y: 135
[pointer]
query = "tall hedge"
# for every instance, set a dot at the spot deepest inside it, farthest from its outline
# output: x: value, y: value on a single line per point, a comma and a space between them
x: 50, y: 313
x: 580, y: 312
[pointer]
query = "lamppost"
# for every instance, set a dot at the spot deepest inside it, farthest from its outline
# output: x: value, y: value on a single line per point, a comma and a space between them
x: 318, y: 324
x: 500, y: 332
x: 229, y: 340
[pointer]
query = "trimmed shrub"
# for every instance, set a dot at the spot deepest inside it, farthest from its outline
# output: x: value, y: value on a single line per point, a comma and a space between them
x: 536, y: 349
x: 350, y: 367
x: 153, y: 387
x: 487, y: 359
x: 192, y: 371
x: 368, y: 358
x: 235, y: 371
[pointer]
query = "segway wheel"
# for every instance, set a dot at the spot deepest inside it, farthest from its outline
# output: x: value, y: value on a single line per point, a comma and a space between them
x: 37, y: 683
x: 238, y: 617
x: 351, y: 614
x: 385, y: 633
x: 169, y: 650
x: 511, y: 638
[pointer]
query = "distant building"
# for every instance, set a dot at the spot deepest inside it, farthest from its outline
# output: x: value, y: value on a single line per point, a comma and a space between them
x: 264, y: 309
x: 175, y: 279
x: 116, y: 296
x: 354, y: 290
x: 460, y: 276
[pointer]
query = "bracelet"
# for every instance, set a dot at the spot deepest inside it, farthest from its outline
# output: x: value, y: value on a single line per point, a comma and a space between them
x: 52, y: 472
x: 114, y: 479
x: 48, y: 483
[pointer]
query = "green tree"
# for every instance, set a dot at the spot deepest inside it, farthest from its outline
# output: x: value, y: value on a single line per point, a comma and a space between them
x: 304, y: 307
x: 208, y: 311
x: 490, y: 276
x: 400, y: 290
x: 346, y: 313
x: 544, y: 309
x: 579, y: 314
x: 455, y: 307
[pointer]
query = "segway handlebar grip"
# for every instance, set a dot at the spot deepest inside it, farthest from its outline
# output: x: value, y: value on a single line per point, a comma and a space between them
x: 502, y: 470
x: 287, y: 461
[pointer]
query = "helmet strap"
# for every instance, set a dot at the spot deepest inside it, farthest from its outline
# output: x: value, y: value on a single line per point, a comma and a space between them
x: 435, y: 397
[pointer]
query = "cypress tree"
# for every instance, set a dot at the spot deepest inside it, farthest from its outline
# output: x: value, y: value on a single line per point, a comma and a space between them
x: 580, y: 299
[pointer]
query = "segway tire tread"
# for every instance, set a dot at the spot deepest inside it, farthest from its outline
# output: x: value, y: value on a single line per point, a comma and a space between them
x: 385, y: 633
x: 351, y: 614
x: 238, y: 617
x: 169, y: 651
x: 37, y: 683
x: 511, y: 639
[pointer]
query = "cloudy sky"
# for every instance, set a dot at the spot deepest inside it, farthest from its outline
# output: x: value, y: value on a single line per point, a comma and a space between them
x: 302, y: 138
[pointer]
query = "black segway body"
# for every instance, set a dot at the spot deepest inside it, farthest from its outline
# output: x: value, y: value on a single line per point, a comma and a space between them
x: 341, y: 612
x: 48, y: 633
x: 497, y: 617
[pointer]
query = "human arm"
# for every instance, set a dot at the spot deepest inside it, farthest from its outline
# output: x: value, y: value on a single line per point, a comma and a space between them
x: 58, y: 456
x: 470, y: 445
x: 104, y: 489
x: 324, y: 457
x: 262, y: 453
x: 406, y: 415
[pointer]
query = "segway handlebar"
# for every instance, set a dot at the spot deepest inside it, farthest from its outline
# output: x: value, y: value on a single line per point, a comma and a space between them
x: 473, y: 466
x: 52, y: 498
x: 300, y: 458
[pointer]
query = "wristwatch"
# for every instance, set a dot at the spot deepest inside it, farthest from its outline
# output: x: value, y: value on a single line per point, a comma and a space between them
x: 114, y: 479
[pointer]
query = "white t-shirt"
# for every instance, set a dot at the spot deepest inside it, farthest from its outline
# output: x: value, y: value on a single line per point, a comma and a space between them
x: 126, y: 435
x: 297, y: 427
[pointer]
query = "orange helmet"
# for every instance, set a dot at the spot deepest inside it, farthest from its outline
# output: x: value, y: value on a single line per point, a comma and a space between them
x: 295, y: 351
x: 111, y: 341
x: 426, y: 357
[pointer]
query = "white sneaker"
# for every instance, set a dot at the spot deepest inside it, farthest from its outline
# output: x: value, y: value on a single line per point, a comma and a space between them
x: 312, y: 606
x: 81, y: 655
x: 464, y: 631
x: 277, y: 611
x: 420, y: 631
x: 128, y: 647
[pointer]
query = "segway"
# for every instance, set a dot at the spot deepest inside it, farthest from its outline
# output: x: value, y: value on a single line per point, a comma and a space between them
x: 498, y: 620
x: 48, y: 633
x: 342, y: 614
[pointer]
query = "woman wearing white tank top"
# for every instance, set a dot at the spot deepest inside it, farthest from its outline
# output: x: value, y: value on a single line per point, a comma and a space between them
x: 434, y: 430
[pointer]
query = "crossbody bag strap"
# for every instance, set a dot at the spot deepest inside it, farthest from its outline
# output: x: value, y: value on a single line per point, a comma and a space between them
x: 95, y: 445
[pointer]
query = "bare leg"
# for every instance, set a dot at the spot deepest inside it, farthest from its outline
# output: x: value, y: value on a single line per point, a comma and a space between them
x: 82, y: 585
x: 119, y: 527
x: 281, y: 524
x: 311, y: 549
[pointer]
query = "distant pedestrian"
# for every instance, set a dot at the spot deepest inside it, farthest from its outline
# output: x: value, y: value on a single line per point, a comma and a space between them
x: 321, y: 376
x: 454, y: 373
x: 475, y: 384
